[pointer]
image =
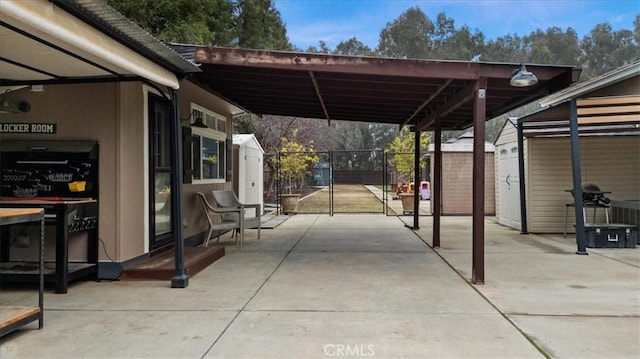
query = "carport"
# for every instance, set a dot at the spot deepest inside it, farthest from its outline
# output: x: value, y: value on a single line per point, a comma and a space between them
x: 427, y: 95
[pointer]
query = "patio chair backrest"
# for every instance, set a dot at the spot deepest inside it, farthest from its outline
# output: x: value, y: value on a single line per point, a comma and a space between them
x: 207, y: 209
x: 225, y: 198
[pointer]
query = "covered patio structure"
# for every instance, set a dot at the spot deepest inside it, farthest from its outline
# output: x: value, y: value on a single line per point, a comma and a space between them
x: 427, y: 95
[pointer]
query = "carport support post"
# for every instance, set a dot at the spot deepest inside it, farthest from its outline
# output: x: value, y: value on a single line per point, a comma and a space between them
x: 416, y: 181
x: 180, y: 278
x: 479, y: 116
x: 577, y: 179
x: 523, y: 197
x: 436, y: 188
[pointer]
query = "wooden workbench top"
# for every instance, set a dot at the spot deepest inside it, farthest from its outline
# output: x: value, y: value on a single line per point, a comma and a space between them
x: 12, y: 212
x: 46, y: 201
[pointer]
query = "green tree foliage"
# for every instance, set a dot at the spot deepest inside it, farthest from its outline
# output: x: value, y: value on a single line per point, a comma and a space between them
x: 296, y: 159
x: 408, y: 36
x: 402, y: 157
x: 321, y: 49
x: 259, y: 26
x: 203, y: 22
x: 508, y: 48
x: 636, y: 29
x: 605, y: 49
x: 414, y: 35
x: 462, y: 44
x: 553, y: 46
x: 254, y: 24
x: 353, y: 47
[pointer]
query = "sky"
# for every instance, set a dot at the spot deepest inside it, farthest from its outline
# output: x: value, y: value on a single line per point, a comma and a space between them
x: 333, y: 21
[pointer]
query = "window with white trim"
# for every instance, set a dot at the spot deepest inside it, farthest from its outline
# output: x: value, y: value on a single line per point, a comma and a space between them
x: 209, y: 150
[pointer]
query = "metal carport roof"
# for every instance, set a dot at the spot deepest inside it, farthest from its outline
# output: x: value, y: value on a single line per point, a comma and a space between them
x: 366, y: 89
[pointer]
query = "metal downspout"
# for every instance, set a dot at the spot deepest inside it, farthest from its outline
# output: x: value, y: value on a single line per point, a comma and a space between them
x: 180, y: 278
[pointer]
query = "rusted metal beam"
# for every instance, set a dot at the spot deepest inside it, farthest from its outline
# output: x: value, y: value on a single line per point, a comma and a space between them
x: 339, y: 63
x: 324, y: 108
x: 479, y: 118
x: 428, y: 100
x: 463, y: 96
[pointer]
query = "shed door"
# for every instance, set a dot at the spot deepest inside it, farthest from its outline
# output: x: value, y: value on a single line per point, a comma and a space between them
x: 509, y: 186
x: 252, y: 177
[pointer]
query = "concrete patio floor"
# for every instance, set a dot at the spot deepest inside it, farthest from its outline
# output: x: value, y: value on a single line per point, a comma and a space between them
x: 357, y: 286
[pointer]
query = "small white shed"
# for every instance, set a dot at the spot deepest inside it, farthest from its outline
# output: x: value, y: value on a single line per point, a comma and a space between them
x: 248, y: 161
x: 507, y: 176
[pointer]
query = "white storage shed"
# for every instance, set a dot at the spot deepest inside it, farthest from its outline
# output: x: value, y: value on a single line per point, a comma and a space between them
x: 248, y: 160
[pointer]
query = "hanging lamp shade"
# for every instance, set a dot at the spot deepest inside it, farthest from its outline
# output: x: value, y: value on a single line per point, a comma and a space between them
x: 523, y: 78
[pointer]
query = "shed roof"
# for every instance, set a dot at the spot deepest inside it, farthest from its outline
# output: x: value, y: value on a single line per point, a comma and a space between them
x: 246, y: 139
x: 464, y: 143
x: 597, y: 116
x: 584, y: 88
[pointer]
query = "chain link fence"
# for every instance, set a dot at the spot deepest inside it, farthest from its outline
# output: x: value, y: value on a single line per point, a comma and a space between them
x: 365, y: 181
